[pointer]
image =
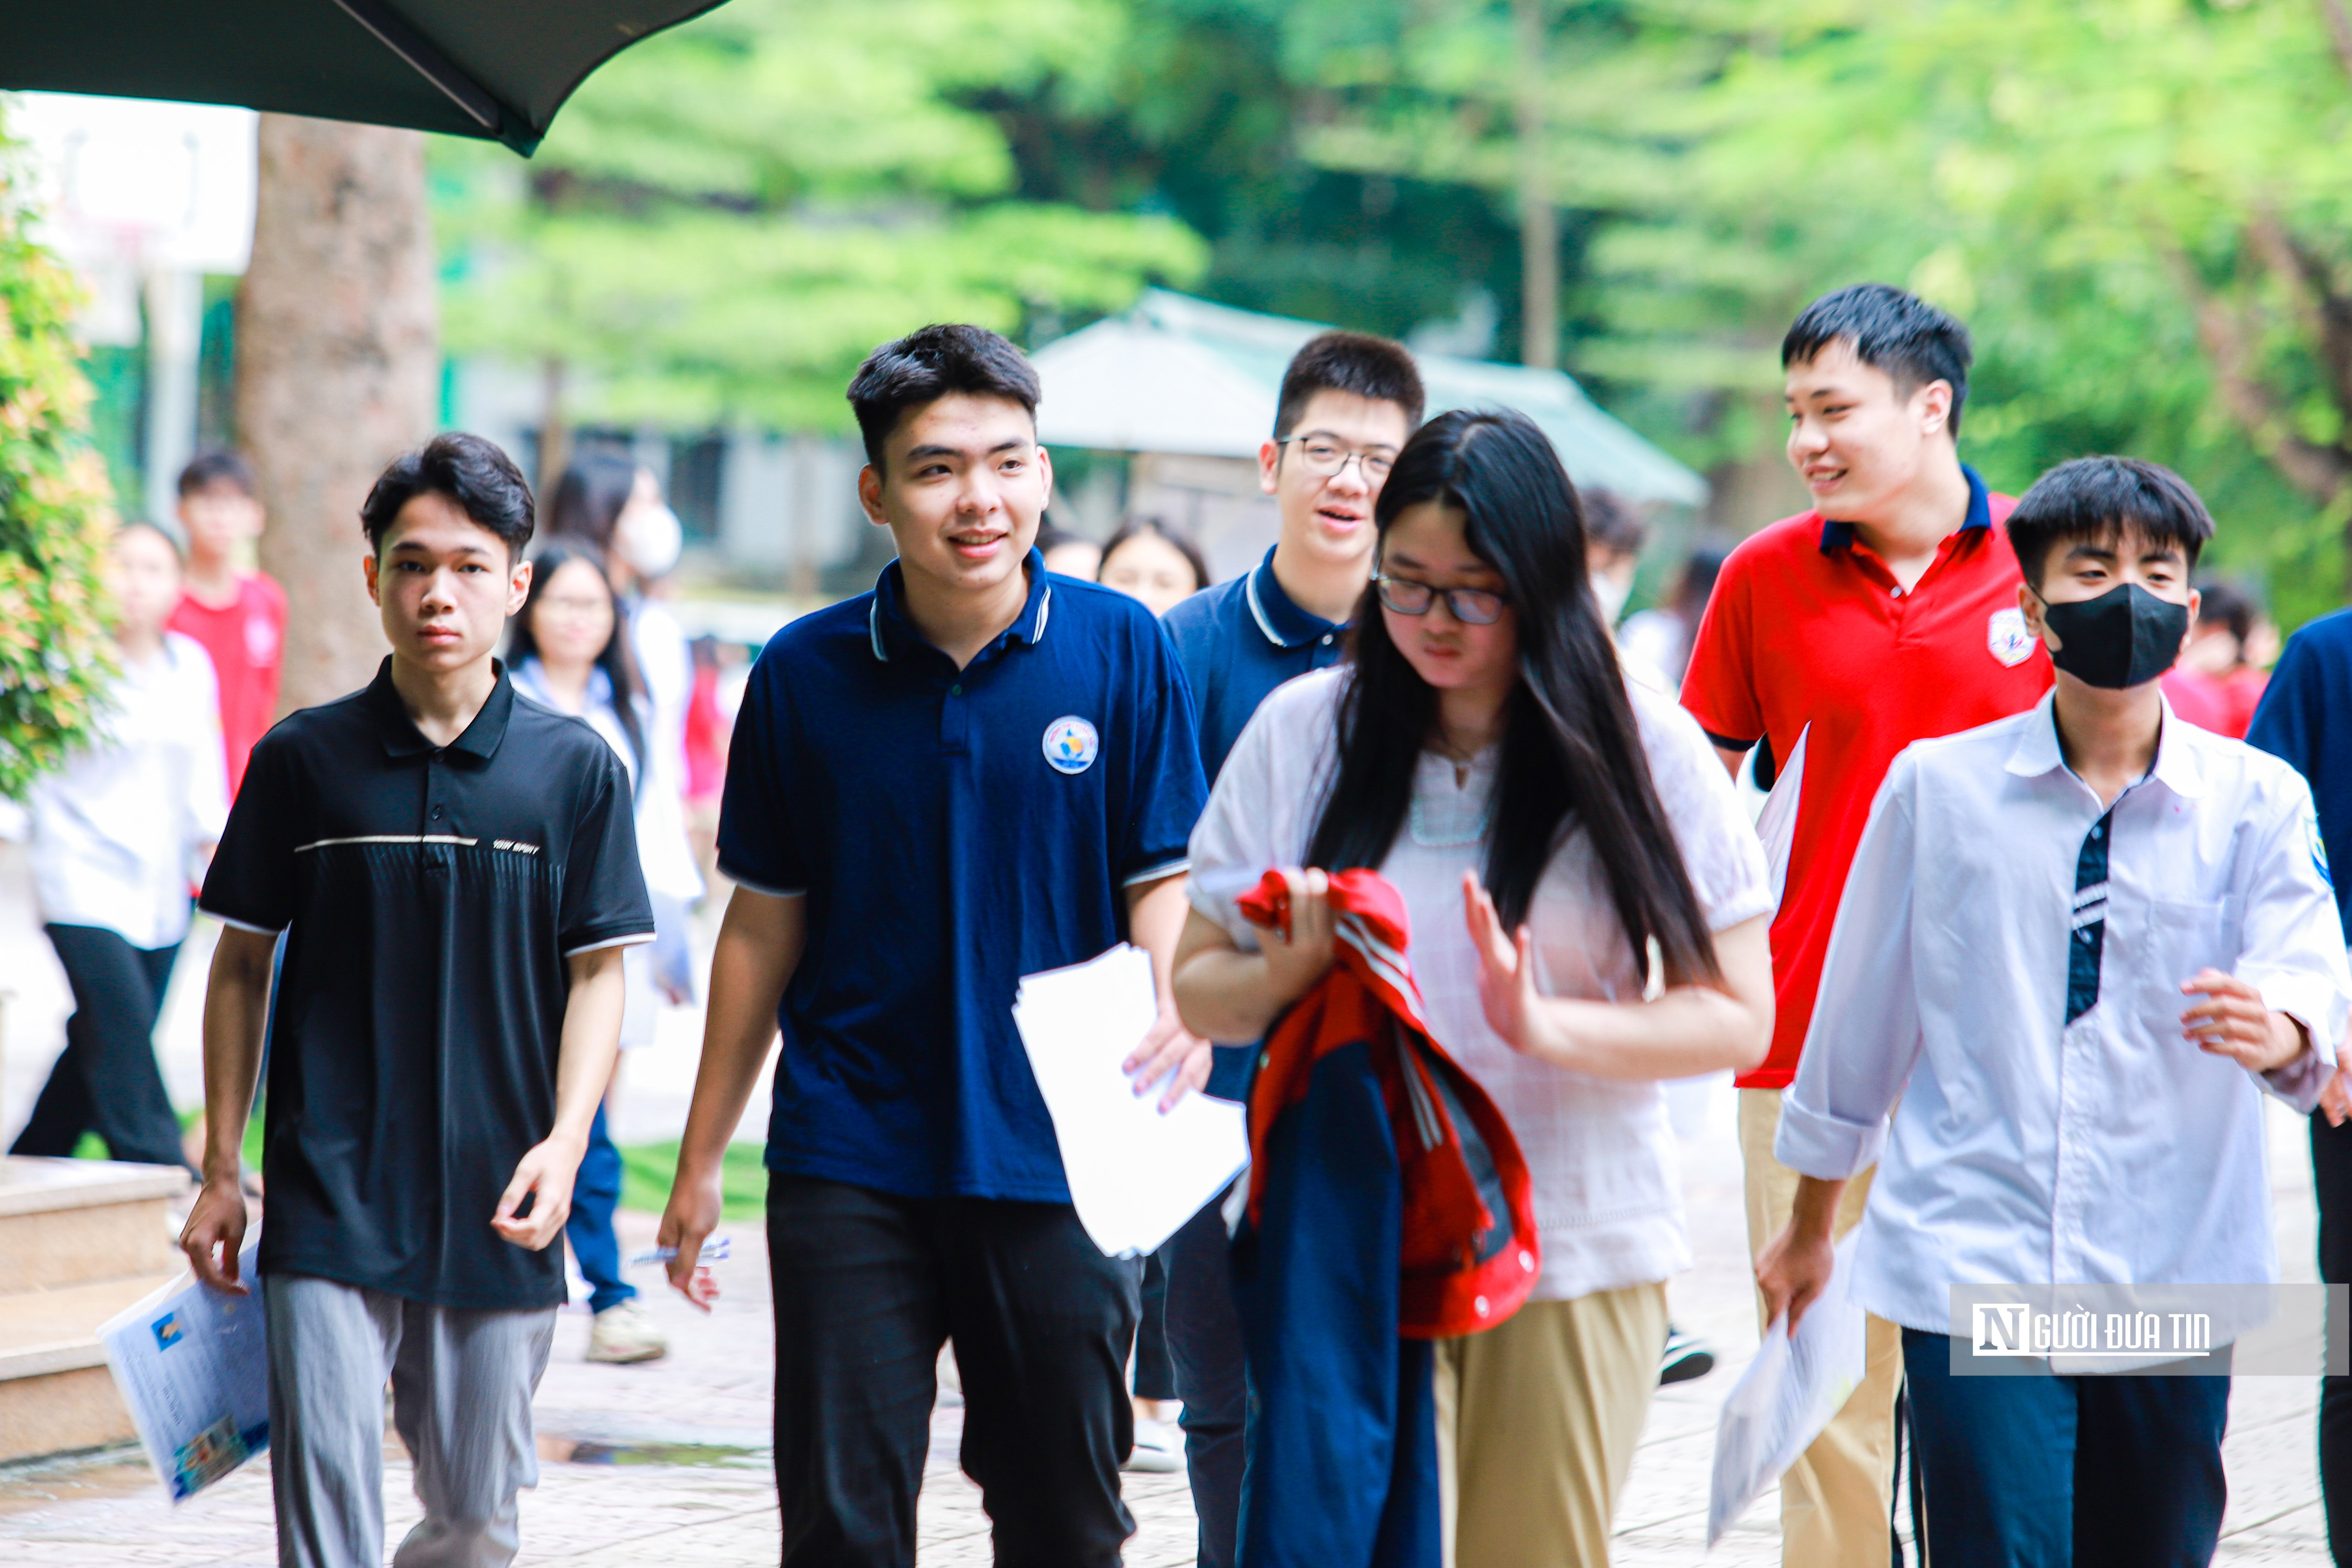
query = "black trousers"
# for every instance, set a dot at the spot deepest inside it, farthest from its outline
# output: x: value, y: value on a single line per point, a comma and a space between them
x: 2331, y: 1169
x: 107, y: 1081
x: 867, y: 1287
x: 1204, y: 1348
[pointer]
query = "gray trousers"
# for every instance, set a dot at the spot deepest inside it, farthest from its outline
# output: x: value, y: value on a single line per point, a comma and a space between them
x: 461, y: 1389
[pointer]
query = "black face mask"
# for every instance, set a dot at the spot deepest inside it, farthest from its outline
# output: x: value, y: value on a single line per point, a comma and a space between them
x: 2125, y: 637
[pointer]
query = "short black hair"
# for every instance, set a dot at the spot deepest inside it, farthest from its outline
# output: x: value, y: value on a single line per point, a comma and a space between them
x: 207, y: 469
x: 2227, y: 604
x: 1892, y: 330
x: 1358, y: 363
x: 1613, y: 525
x: 475, y: 475
x: 2100, y: 497
x: 930, y: 363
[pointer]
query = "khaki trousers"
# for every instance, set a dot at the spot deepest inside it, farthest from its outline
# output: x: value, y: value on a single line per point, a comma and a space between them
x: 1836, y: 1498
x: 1538, y: 1418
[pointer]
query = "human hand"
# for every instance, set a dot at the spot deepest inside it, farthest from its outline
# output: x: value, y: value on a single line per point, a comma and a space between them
x: 1792, y: 1272
x: 1507, y: 977
x: 693, y: 1212
x: 217, y: 1221
x: 1167, y: 1047
x: 2234, y: 1021
x: 2336, y: 1098
x: 544, y: 1175
x: 1295, y: 961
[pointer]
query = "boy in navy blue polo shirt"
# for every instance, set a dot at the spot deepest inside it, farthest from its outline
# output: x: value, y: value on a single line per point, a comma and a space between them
x: 973, y: 773
x: 1349, y: 400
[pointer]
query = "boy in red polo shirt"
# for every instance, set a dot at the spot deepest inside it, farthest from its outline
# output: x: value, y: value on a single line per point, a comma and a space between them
x: 239, y: 616
x: 1837, y: 637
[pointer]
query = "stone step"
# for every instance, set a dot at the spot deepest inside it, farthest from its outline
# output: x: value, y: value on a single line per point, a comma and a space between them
x: 75, y: 1222
x: 79, y: 1240
x: 56, y: 1392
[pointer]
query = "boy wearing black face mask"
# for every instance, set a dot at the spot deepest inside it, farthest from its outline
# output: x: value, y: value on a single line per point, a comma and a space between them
x: 2077, y: 945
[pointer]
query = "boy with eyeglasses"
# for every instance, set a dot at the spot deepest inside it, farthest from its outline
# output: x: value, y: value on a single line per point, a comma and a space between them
x: 1348, y: 403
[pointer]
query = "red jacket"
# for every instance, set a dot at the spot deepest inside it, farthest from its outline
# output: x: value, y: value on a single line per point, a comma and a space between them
x: 1464, y: 1268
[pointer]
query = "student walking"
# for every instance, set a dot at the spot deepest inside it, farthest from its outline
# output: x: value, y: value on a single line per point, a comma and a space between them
x: 1886, y: 614
x: 976, y: 771
x: 2092, y: 890
x: 568, y: 649
x: 1347, y: 405
x: 455, y: 873
x: 1588, y: 907
x: 239, y: 616
x: 116, y: 835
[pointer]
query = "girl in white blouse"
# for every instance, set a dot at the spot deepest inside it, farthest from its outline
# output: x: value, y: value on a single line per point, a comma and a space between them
x: 1588, y: 909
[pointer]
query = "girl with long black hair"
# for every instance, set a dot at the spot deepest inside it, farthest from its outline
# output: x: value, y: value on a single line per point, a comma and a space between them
x: 1589, y: 908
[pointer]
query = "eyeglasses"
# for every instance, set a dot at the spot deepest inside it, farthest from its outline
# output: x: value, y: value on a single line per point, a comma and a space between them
x: 1323, y: 456
x: 1471, y: 606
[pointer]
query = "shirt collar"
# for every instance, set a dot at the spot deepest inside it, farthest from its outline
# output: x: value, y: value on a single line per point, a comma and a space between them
x: 887, y: 621
x: 1278, y: 615
x: 2178, y: 768
x: 402, y: 737
x: 1838, y: 535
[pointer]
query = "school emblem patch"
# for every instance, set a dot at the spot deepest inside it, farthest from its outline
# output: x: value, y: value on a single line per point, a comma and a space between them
x: 2006, y: 638
x: 1071, y: 744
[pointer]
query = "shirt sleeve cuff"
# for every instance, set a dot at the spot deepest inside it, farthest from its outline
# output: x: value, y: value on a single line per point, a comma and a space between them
x: 242, y: 925
x: 1824, y: 1147
x: 601, y: 943
x: 771, y: 889
x: 1159, y: 872
x: 2319, y: 1008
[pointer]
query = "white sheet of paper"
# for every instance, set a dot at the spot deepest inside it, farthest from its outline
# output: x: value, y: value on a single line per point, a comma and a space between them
x: 193, y: 1363
x: 1787, y: 1395
x: 1777, y: 823
x: 1135, y: 1176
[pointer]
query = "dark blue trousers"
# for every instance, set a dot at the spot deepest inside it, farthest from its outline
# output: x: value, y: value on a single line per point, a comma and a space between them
x: 1342, y: 1439
x: 2064, y: 1472
x: 596, y: 1194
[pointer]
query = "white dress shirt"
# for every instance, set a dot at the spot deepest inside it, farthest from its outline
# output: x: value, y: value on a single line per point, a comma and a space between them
x: 2027, y: 1149
x: 114, y: 833
x: 1601, y: 1152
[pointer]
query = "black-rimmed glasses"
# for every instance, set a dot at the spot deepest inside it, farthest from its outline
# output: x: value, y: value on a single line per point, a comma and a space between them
x: 1471, y: 606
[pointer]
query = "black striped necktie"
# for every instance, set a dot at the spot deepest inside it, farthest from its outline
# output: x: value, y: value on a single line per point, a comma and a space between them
x: 2090, y: 919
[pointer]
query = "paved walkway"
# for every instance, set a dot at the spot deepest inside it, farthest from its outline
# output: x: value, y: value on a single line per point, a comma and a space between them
x: 669, y: 1461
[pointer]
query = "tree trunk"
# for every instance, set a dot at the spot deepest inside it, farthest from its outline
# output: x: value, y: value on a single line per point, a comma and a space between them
x: 1538, y: 219
x: 338, y: 371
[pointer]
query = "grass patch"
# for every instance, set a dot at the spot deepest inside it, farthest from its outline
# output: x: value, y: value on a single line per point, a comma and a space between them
x: 648, y: 1169
x: 93, y: 1147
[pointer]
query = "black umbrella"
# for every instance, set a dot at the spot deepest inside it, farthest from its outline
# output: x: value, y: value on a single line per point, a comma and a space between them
x: 493, y: 68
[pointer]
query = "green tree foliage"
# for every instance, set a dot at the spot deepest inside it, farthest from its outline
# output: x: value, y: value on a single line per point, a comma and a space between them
x: 730, y: 216
x: 54, y: 511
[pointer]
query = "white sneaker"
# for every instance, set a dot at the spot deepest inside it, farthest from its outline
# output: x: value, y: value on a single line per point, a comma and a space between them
x: 625, y: 1333
x: 1158, y: 1449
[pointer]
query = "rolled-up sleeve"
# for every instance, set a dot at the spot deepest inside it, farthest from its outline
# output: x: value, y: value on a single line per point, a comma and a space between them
x: 1865, y: 1034
x: 2291, y: 947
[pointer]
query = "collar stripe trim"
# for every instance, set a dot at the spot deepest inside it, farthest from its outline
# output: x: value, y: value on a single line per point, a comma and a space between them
x: 1257, y: 610
x: 873, y: 629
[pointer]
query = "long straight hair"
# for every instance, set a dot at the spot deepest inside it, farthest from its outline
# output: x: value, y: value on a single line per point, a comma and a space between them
x: 619, y: 666
x: 1573, y: 753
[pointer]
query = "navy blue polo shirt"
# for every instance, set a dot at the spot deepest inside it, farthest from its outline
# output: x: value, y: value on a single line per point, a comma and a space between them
x: 2306, y: 719
x: 952, y: 831
x: 1239, y: 640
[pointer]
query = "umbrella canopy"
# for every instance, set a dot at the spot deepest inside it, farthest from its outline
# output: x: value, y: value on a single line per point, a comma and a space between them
x: 1181, y: 375
x: 497, y: 69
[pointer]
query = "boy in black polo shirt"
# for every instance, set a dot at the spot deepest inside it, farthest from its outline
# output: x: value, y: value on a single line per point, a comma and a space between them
x: 457, y: 873
x: 973, y: 773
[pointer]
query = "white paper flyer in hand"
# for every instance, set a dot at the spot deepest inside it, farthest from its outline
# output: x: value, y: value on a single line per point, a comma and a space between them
x: 1135, y: 1176
x: 1777, y: 823
x: 193, y: 1363
x: 1788, y: 1394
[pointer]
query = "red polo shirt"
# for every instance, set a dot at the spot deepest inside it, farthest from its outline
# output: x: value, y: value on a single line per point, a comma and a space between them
x: 1808, y: 635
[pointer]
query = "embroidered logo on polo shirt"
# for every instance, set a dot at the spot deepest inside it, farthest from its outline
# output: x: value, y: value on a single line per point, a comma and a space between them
x: 2007, y: 636
x: 1071, y: 744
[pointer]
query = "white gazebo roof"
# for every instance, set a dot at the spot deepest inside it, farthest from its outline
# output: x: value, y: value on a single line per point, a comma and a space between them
x: 1183, y: 376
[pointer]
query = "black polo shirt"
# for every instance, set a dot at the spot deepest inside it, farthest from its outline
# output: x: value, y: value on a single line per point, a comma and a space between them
x: 430, y: 897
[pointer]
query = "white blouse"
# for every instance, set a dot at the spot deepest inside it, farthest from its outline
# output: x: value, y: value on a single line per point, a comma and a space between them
x: 1601, y: 1152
